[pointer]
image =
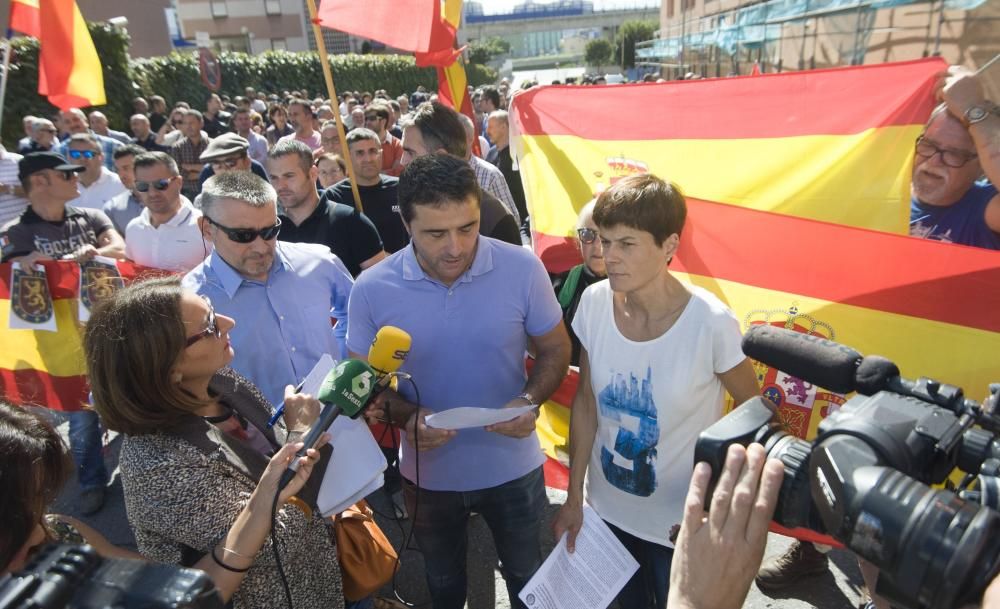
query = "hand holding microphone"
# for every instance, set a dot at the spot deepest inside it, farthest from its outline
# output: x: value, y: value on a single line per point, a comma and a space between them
x: 347, y: 389
x: 388, y: 351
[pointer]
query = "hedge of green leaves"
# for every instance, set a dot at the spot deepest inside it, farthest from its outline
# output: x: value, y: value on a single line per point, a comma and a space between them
x: 176, y: 77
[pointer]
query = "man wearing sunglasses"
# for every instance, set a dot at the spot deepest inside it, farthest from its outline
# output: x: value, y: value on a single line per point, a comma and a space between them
x: 50, y: 229
x: 377, y: 118
x: 97, y: 184
x: 283, y: 296
x: 74, y: 121
x: 166, y: 234
x: 956, y: 167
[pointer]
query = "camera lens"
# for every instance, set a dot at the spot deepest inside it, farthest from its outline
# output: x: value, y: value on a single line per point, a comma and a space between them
x: 794, y: 508
x: 934, y: 550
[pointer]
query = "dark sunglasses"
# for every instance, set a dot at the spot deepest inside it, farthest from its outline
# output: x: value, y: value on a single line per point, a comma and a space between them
x: 248, y: 235
x: 82, y: 154
x: 586, y: 235
x: 212, y: 329
x: 160, y: 185
x: 67, y: 174
x: 951, y: 158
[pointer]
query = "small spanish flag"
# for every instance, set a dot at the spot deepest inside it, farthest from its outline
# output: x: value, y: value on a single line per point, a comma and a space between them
x: 24, y: 18
x: 69, y: 70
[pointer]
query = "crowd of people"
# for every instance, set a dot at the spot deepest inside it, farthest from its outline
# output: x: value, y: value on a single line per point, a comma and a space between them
x: 251, y: 205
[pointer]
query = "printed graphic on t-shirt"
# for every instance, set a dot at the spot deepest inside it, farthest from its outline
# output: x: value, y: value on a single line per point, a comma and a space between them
x: 628, y: 449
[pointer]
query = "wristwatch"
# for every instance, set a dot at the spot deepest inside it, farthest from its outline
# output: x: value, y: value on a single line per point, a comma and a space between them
x: 975, y: 114
x: 531, y: 400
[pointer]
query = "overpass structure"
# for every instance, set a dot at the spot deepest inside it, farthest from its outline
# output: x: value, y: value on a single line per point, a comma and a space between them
x: 547, y: 18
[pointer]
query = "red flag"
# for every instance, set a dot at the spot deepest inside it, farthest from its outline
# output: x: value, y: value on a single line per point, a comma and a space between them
x: 24, y: 17
x: 408, y: 25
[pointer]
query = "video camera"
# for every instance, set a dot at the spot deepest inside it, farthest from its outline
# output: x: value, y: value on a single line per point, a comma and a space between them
x: 75, y: 577
x: 864, y: 479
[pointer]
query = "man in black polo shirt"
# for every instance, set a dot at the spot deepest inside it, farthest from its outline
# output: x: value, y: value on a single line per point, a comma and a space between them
x: 377, y: 190
x: 51, y: 230
x: 305, y: 219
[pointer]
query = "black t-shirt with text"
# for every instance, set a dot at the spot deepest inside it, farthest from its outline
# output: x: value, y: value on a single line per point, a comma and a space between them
x: 79, y: 227
x: 348, y: 233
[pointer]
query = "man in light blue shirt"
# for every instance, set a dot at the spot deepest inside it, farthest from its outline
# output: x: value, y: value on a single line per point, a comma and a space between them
x: 470, y: 303
x: 283, y: 296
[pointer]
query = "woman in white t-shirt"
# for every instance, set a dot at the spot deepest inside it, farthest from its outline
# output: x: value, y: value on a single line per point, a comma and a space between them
x: 657, y: 357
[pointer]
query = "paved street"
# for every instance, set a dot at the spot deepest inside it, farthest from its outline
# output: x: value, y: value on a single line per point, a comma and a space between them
x: 839, y: 589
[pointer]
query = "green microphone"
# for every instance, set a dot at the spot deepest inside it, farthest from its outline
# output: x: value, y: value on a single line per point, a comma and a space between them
x: 347, y: 389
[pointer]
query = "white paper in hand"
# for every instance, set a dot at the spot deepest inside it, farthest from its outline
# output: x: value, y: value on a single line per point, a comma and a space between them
x: 470, y: 416
x: 589, y: 578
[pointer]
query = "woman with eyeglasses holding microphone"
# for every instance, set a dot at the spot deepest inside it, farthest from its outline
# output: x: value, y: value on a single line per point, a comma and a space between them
x: 197, y: 446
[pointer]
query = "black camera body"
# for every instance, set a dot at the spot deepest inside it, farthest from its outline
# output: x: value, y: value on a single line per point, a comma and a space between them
x: 75, y: 577
x: 864, y: 479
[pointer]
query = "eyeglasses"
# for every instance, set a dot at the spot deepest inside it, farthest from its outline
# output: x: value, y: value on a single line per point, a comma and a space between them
x: 248, y: 235
x: 372, y: 117
x: 82, y: 154
x: 160, y: 185
x: 67, y: 174
x: 229, y: 163
x: 212, y: 329
x: 329, y: 140
x: 586, y: 235
x: 951, y: 158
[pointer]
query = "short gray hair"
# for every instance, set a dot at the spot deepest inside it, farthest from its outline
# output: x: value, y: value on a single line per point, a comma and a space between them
x: 149, y: 159
x: 360, y: 134
x: 242, y: 186
x: 293, y: 148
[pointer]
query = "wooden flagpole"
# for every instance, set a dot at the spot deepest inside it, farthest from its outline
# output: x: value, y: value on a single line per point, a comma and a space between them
x: 328, y: 76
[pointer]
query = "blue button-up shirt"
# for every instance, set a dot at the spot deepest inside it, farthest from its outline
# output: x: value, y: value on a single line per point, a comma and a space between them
x: 283, y: 325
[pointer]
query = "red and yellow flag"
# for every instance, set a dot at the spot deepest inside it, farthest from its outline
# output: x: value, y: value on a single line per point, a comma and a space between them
x: 833, y: 145
x: 775, y: 169
x: 69, y: 70
x: 47, y: 368
x: 24, y: 17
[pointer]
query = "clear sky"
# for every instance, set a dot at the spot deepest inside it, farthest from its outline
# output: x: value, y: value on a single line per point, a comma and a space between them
x: 503, y: 6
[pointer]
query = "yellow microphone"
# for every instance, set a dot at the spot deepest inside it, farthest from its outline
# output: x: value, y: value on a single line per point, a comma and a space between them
x: 389, y: 350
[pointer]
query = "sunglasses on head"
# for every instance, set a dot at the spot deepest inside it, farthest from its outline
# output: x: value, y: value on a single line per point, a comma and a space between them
x: 161, y: 184
x: 82, y: 154
x: 248, y: 235
x: 586, y: 235
x: 212, y: 328
x: 229, y: 163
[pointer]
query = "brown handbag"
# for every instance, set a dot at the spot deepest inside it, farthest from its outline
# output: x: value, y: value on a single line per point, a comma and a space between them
x: 367, y: 559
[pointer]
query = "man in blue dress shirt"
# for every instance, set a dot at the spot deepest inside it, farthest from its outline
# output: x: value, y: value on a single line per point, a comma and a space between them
x: 283, y: 296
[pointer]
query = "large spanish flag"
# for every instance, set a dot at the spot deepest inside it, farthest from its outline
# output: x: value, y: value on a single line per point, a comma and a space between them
x: 44, y: 368
x: 69, y: 70
x: 929, y: 306
x: 833, y: 145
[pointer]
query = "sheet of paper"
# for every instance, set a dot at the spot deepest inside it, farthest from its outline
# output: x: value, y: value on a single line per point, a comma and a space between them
x: 355, y: 469
x: 470, y: 416
x: 589, y: 578
x: 314, y: 380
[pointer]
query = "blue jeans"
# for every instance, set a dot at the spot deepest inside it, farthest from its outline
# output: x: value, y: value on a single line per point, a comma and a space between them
x: 87, y: 448
x: 648, y: 587
x: 512, y: 511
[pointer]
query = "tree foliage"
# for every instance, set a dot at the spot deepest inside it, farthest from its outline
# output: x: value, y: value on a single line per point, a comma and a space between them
x: 598, y: 53
x: 486, y: 50
x: 630, y: 33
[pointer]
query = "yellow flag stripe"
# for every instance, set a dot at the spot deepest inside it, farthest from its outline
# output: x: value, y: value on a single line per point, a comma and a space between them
x: 860, y: 180
x: 57, y: 353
